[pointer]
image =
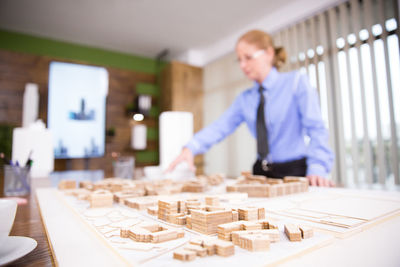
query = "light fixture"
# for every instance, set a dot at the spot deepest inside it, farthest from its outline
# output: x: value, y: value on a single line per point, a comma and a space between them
x: 138, y: 117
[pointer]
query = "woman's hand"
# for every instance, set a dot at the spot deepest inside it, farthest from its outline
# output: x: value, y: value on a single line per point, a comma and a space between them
x: 316, y: 180
x: 185, y: 156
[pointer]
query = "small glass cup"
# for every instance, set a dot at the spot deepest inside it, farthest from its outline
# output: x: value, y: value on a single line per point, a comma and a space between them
x: 124, y: 167
x: 17, y: 180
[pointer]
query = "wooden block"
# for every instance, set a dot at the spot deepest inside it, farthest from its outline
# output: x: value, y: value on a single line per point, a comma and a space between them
x: 86, y: 184
x: 272, y: 191
x: 273, y: 181
x: 264, y: 224
x: 152, y: 210
x: 66, y: 184
x: 122, y: 195
x: 101, y: 198
x: 272, y: 225
x: 248, y: 214
x: 255, y: 242
x: 232, y: 188
x: 166, y: 235
x: 261, y: 213
x: 287, y: 187
x: 214, y: 208
x: 235, y: 216
x: 151, y: 232
x: 124, y: 233
x: 225, y: 230
x: 184, y: 255
x: 306, y: 232
x: 212, y: 201
x: 189, y: 221
x: 304, y: 184
x: 210, y: 247
x: 197, y: 241
x: 293, y: 232
x: 246, y: 173
x: 250, y: 225
x: 200, y: 251
x: 289, y: 179
x: 296, y: 186
x: 272, y: 234
x: 224, y: 248
x: 280, y: 189
x: 140, y: 203
x: 181, y: 220
x: 80, y: 193
x: 207, y: 222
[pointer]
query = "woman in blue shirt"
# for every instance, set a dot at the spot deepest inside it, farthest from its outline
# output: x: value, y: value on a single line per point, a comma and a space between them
x: 280, y: 109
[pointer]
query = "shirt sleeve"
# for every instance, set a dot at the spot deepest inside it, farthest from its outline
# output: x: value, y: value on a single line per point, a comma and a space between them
x: 319, y: 156
x: 218, y: 130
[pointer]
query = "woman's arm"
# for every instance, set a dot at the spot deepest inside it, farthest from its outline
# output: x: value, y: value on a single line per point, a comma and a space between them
x: 319, y: 155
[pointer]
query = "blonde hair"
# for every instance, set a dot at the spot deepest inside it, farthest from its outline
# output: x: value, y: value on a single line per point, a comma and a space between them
x: 264, y: 41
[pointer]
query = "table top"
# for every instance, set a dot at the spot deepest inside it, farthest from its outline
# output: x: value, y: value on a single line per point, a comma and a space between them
x: 28, y: 223
x: 375, y: 243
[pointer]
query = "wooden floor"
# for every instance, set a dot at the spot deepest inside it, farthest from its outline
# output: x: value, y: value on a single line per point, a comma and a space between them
x: 28, y: 223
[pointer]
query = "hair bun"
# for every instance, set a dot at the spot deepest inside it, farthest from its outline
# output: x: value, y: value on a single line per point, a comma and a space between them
x: 280, y: 57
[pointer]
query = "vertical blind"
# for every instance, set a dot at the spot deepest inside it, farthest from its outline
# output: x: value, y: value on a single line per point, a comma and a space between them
x: 351, y: 55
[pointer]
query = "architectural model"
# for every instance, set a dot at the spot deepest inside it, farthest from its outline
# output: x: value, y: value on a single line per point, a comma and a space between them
x: 126, y: 191
x: 235, y: 219
x: 260, y: 186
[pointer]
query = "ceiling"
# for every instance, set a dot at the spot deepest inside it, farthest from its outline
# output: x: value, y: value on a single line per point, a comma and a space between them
x: 141, y: 27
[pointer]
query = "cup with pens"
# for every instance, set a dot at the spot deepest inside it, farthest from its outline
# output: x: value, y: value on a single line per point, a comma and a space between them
x: 17, y: 178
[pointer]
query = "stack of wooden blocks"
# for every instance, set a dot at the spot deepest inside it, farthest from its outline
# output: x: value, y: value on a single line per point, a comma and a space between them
x: 204, y: 246
x: 207, y: 222
x: 212, y: 201
x: 306, y: 232
x: 173, y: 211
x: 254, y: 242
x: 141, y: 203
x: 251, y: 213
x: 214, y: 179
x: 152, y: 211
x: 260, y: 186
x: 87, y: 185
x: 121, y: 196
x: 80, y: 193
x: 151, y: 232
x: 184, y: 255
x: 194, y: 186
x: 193, y: 204
x: 66, y: 184
x: 101, y: 198
x: 296, y: 233
x: 226, y: 230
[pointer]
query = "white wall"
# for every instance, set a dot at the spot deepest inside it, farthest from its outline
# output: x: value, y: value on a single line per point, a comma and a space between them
x: 273, y: 22
x: 223, y: 81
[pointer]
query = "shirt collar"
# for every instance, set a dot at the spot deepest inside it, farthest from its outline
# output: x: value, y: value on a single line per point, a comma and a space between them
x: 269, y: 81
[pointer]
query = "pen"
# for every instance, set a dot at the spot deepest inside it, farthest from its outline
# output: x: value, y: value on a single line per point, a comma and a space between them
x: 29, y: 161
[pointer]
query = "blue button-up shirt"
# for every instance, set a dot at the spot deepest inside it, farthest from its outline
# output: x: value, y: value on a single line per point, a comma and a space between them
x: 292, y: 112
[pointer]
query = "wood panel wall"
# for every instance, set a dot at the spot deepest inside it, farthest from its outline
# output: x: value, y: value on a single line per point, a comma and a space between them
x: 182, y: 90
x: 17, y: 69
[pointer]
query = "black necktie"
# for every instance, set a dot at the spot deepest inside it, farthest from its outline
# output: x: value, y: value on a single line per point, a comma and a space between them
x: 262, y: 134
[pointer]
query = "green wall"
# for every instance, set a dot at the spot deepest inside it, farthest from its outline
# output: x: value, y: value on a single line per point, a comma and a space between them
x: 19, y: 42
